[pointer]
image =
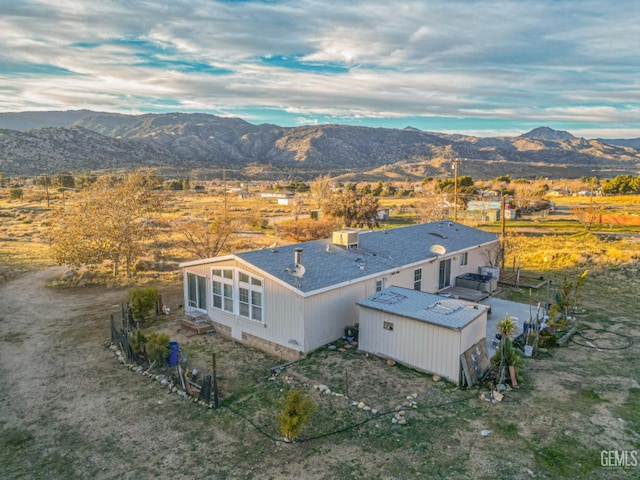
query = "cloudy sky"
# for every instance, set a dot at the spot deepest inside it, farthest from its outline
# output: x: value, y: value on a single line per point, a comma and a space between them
x: 478, y: 67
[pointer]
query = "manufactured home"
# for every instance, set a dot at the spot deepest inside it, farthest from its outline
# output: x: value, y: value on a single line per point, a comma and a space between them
x: 294, y: 299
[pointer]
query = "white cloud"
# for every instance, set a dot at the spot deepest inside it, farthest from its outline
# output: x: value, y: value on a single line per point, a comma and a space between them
x: 495, y: 59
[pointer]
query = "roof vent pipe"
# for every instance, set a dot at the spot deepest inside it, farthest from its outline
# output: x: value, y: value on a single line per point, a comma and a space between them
x: 297, y: 256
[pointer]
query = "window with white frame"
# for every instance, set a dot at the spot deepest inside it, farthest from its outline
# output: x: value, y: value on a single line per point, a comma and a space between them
x: 380, y: 285
x: 222, y: 288
x: 237, y: 292
x: 249, y: 296
x: 464, y: 259
x: 417, y: 279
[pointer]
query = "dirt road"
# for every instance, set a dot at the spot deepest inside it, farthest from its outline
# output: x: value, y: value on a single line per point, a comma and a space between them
x: 64, y: 403
x: 68, y: 410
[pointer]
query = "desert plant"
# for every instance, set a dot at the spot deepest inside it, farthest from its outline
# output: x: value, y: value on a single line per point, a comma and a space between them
x: 138, y: 341
x: 296, y: 410
x: 142, y: 301
x: 506, y: 327
x: 157, y: 347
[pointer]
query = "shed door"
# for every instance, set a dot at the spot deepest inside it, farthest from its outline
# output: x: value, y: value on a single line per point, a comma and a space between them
x: 445, y: 274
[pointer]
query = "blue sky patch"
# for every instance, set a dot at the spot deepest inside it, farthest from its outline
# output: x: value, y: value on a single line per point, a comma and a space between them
x: 292, y: 62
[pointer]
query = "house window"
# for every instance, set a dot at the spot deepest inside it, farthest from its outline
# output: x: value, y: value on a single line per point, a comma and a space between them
x: 417, y: 279
x: 445, y: 274
x: 243, y: 300
x: 464, y: 259
x: 380, y: 285
x: 196, y: 291
x: 222, y: 288
x: 388, y: 326
x: 256, y: 306
x: 250, y: 297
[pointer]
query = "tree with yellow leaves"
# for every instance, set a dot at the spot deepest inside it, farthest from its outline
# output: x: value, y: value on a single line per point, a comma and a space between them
x: 109, y: 221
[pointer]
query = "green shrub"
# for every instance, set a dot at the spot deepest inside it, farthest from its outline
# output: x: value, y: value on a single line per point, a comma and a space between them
x: 138, y: 341
x: 142, y: 301
x: 296, y: 410
x: 157, y: 348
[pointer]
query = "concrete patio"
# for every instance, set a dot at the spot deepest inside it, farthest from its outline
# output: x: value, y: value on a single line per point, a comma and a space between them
x: 519, y: 312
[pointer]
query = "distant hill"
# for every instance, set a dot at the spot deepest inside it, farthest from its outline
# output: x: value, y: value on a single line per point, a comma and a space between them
x: 546, y: 133
x: 24, y: 121
x: 85, y: 140
x: 622, y: 142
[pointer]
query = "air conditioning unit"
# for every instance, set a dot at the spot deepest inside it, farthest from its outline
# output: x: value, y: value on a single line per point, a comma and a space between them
x: 347, y: 238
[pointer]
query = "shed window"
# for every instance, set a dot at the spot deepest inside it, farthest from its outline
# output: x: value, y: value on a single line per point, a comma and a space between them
x: 388, y: 326
x: 464, y: 259
x: 380, y: 285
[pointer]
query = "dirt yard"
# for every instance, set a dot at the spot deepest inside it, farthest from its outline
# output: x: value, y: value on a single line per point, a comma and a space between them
x: 69, y: 410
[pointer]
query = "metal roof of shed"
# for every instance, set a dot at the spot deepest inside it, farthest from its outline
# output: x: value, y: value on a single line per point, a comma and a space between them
x: 424, y: 307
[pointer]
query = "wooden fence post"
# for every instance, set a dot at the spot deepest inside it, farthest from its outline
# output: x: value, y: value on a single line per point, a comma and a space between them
x: 215, y: 382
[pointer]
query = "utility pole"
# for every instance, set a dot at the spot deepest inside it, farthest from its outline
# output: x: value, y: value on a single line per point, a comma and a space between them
x: 224, y: 186
x: 455, y: 189
x: 46, y: 186
x: 502, y: 228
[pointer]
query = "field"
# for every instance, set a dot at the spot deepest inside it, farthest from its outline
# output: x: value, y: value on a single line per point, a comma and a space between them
x: 69, y: 410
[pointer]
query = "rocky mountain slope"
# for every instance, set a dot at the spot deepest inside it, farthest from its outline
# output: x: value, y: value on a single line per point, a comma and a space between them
x: 92, y: 141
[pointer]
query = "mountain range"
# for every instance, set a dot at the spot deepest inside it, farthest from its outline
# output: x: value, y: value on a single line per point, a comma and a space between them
x: 35, y: 143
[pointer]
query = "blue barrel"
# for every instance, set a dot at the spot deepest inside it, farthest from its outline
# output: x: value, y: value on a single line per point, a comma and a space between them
x: 172, y: 359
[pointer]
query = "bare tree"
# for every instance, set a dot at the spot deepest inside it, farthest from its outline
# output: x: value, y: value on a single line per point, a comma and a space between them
x: 202, y: 237
x: 432, y: 208
x: 320, y: 189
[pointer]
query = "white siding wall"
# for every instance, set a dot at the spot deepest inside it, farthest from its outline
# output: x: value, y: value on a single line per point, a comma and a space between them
x: 327, y: 314
x: 282, y: 309
x: 474, y: 332
x: 421, y: 345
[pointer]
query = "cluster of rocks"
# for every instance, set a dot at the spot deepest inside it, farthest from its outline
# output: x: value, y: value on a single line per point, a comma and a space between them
x: 327, y: 391
x: 495, y: 395
x: 364, y: 407
x: 161, y: 379
x: 399, y: 417
x: 347, y: 346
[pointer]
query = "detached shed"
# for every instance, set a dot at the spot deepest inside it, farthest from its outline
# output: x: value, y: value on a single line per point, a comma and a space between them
x: 421, y: 330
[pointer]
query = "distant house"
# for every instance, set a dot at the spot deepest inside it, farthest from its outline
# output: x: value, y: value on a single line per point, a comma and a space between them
x: 279, y: 194
x: 294, y: 299
x: 422, y: 330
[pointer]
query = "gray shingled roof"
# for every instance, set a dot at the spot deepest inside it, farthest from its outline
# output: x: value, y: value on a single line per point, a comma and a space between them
x: 378, y: 251
x: 424, y: 307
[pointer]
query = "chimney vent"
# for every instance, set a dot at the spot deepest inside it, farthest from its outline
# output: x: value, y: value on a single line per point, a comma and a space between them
x: 297, y: 256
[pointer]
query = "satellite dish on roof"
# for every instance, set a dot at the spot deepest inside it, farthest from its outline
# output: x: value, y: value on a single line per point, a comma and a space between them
x: 296, y: 270
x: 438, y: 249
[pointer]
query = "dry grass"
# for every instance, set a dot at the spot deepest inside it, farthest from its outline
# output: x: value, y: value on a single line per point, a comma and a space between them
x: 85, y: 414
